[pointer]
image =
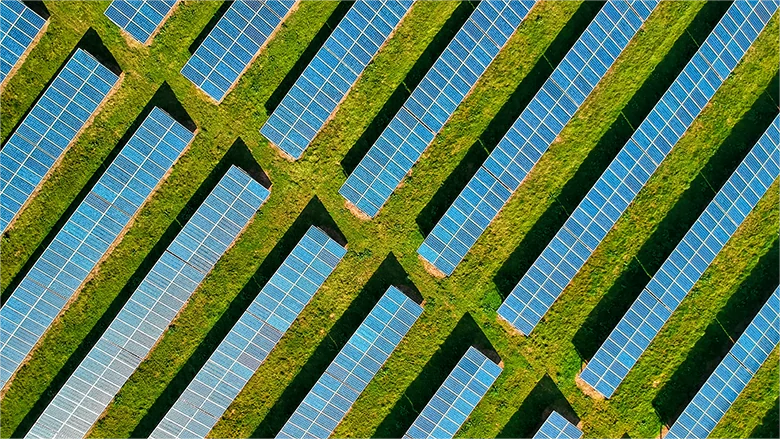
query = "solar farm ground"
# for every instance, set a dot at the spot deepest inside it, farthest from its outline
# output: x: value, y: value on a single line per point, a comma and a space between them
x: 539, y: 371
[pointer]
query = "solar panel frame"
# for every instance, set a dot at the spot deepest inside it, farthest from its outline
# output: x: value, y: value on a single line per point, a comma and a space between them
x: 354, y: 367
x: 732, y: 375
x: 140, y: 19
x: 558, y: 427
x: 152, y: 307
x: 687, y: 262
x: 431, y: 104
x: 456, y: 398
x: 253, y: 337
x: 41, y: 139
x: 532, y: 133
x: 87, y: 236
x: 246, y: 27
x: 333, y: 71
x: 20, y: 29
x: 620, y: 183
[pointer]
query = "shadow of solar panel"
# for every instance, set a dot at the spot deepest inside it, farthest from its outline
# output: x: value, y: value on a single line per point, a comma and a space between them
x: 51, y: 126
x: 732, y: 374
x: 253, y: 337
x: 557, y: 427
x: 333, y: 71
x: 452, y: 404
x: 152, y: 307
x: 140, y: 18
x: 233, y: 43
x: 617, y: 187
x: 19, y: 27
x: 85, y: 238
x: 359, y: 360
x: 683, y: 268
x: 533, y: 132
x: 432, y: 103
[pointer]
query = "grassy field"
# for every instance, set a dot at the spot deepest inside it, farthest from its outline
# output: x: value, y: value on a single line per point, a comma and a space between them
x: 540, y: 370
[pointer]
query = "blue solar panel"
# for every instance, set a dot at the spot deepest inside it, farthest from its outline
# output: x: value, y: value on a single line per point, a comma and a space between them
x: 85, y: 238
x: 635, y: 163
x: 51, y: 126
x: 452, y: 404
x: 333, y: 71
x: 354, y: 366
x: 19, y: 27
x: 233, y: 43
x: 432, y: 103
x: 685, y: 265
x: 253, y: 337
x: 557, y: 427
x: 140, y: 18
x: 150, y: 310
x: 732, y: 374
x: 533, y: 132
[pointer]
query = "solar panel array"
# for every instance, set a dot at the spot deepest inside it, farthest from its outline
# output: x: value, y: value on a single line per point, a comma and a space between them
x: 140, y: 18
x: 252, y: 338
x: 432, y: 103
x: 617, y: 187
x: 732, y: 374
x: 19, y: 27
x: 355, y: 365
x: 87, y: 235
x: 685, y: 265
x: 557, y: 427
x: 333, y: 71
x: 532, y: 133
x: 52, y: 124
x: 452, y: 404
x: 233, y: 43
x: 152, y: 307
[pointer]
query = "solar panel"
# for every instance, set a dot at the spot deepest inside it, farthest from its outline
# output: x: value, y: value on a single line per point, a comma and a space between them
x: 617, y: 187
x: 140, y: 18
x: 98, y: 222
x: 19, y: 27
x: 252, y: 338
x: 452, y: 404
x: 355, y: 365
x: 333, y: 71
x: 732, y: 374
x: 152, y: 307
x: 432, y: 103
x: 233, y: 43
x: 532, y: 133
x: 51, y: 126
x: 685, y: 265
x: 557, y: 427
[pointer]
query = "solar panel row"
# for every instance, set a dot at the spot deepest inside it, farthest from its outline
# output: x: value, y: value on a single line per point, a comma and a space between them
x: 432, y: 103
x: 152, y: 307
x: 533, y: 132
x: 454, y: 401
x: 88, y: 234
x: 233, y: 43
x: 557, y: 427
x: 617, y: 187
x: 140, y: 18
x: 683, y: 268
x: 252, y: 338
x: 19, y: 27
x: 53, y: 124
x: 732, y: 374
x: 353, y: 368
x: 333, y: 71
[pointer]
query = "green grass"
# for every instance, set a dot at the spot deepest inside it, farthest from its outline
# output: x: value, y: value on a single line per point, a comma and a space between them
x: 472, y: 291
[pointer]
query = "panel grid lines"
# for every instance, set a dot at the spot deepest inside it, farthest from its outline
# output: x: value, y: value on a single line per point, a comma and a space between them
x: 619, y: 185
x: 139, y: 18
x: 557, y: 427
x: 19, y: 27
